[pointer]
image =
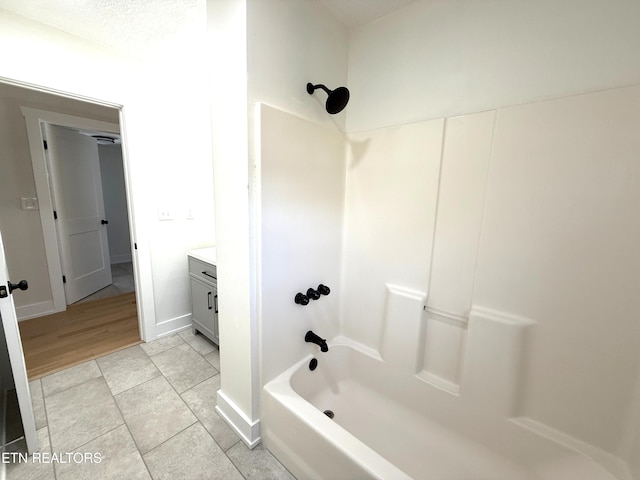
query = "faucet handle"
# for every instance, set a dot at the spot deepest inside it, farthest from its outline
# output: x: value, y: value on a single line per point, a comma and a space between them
x: 301, y: 299
x: 313, y: 294
x: 323, y: 289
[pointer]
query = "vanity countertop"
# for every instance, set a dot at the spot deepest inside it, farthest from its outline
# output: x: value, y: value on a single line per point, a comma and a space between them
x: 207, y: 255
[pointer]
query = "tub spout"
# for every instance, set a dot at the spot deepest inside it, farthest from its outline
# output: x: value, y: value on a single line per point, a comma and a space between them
x: 311, y: 337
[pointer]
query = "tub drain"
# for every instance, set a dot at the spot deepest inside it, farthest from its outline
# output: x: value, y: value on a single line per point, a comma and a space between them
x: 328, y: 413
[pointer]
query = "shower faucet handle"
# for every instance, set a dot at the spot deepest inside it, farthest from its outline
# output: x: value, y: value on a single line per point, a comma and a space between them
x: 301, y: 299
x: 313, y: 294
x: 323, y: 289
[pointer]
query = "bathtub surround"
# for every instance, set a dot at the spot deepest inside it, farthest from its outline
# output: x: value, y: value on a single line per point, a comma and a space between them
x: 302, y: 187
x: 477, y: 234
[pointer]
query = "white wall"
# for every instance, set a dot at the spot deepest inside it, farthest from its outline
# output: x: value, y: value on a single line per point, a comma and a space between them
x: 261, y: 52
x: 291, y: 43
x: 441, y: 58
x: 115, y: 202
x: 227, y: 44
x: 164, y: 98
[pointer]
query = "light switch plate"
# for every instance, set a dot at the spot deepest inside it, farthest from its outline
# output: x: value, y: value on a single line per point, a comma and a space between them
x: 165, y: 214
x: 28, y: 203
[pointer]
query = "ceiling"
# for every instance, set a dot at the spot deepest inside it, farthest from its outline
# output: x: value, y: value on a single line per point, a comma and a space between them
x: 359, y: 12
x: 154, y: 25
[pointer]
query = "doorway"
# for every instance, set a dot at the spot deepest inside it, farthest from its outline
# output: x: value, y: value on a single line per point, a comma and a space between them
x: 34, y: 252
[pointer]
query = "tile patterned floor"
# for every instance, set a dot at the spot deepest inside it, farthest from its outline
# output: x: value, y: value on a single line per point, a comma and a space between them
x: 148, y: 411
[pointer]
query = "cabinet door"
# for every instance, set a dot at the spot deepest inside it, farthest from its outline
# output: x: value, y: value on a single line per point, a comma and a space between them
x: 204, y: 301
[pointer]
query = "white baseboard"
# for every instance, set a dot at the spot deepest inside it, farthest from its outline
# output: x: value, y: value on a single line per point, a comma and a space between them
x: 248, y: 431
x: 173, y: 325
x: 122, y: 258
x: 34, y: 310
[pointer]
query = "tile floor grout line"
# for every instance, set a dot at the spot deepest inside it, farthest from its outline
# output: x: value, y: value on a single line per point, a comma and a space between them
x: 170, y: 348
x: 46, y: 416
x: 188, y: 343
x: 72, y: 386
x: 135, y: 386
x: 198, y: 419
x: 193, y: 413
x: 200, y: 383
x: 164, y: 351
x: 174, y: 435
x: 229, y: 448
x: 135, y: 444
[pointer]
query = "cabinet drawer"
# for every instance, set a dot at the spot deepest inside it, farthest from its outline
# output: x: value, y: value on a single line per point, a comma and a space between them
x: 204, y: 271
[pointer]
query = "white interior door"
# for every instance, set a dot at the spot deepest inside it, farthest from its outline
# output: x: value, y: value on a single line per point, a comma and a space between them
x: 16, y: 356
x: 74, y: 168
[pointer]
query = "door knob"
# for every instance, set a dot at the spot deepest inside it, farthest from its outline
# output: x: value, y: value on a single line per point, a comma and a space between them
x: 104, y: 222
x: 22, y: 285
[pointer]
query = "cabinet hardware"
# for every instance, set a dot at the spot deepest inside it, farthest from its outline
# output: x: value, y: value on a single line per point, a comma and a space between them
x: 208, y: 275
x: 209, y: 300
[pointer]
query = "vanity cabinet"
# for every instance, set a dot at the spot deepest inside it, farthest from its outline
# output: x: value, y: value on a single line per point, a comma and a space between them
x: 204, y: 294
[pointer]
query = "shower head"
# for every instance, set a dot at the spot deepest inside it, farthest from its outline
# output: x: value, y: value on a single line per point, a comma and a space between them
x: 336, y: 100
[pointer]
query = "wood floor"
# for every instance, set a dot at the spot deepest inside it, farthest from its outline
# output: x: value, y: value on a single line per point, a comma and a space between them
x: 83, y: 332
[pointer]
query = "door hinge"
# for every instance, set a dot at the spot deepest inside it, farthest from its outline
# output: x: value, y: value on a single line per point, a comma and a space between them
x: 46, y: 147
x: 55, y: 215
x: 64, y: 279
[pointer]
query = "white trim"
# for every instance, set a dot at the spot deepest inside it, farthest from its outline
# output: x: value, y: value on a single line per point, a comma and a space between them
x: 141, y: 257
x: 173, y: 325
x: 33, y: 310
x: 248, y: 431
x: 120, y: 258
x: 60, y: 93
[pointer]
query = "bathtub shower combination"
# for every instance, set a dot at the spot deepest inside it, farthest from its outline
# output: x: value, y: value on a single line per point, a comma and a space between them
x: 354, y: 417
x: 479, y: 324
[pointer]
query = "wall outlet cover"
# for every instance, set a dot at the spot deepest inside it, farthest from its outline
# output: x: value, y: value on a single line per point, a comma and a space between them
x: 28, y: 203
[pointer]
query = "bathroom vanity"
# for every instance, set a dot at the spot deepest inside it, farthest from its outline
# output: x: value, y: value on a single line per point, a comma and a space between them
x: 204, y: 292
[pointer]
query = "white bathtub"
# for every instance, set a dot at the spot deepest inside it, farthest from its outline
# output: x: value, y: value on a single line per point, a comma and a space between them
x: 384, y: 427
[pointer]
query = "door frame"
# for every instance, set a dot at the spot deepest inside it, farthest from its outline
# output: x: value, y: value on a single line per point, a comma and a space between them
x: 34, y: 120
x: 140, y: 249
